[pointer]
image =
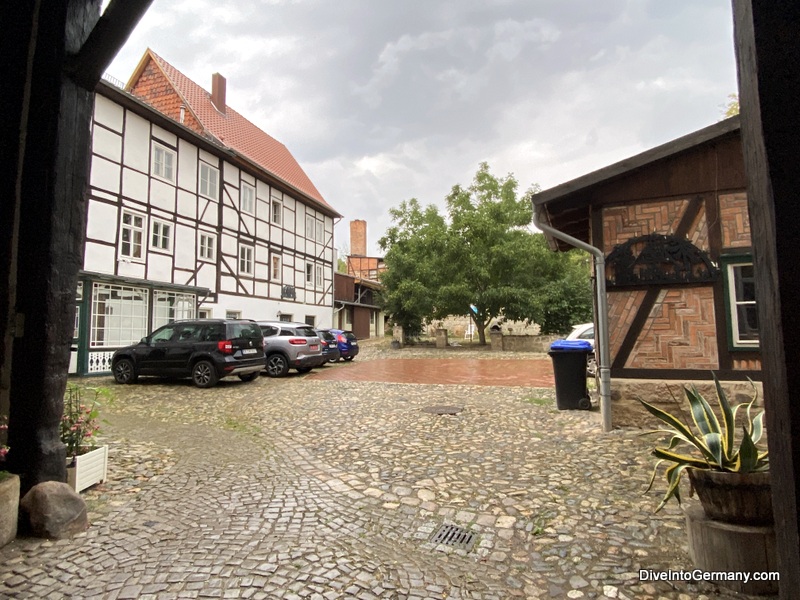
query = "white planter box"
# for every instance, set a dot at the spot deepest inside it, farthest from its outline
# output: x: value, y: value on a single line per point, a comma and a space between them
x: 89, y: 469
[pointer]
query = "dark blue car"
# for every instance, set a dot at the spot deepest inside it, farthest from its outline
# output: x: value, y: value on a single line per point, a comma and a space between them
x: 330, y: 347
x: 348, y: 343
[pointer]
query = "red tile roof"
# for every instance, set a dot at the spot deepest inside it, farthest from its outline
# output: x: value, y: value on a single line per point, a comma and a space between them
x: 230, y: 129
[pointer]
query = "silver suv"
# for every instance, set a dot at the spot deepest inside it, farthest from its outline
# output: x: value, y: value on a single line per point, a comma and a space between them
x: 290, y: 345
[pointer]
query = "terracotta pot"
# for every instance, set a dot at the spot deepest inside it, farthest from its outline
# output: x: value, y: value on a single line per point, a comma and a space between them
x: 743, y: 498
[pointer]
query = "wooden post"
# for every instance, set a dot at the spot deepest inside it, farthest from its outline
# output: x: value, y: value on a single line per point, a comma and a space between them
x: 767, y: 37
x: 48, y: 76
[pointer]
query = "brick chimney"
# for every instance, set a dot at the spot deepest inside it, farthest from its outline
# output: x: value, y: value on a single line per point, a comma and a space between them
x: 218, y: 92
x: 358, y: 238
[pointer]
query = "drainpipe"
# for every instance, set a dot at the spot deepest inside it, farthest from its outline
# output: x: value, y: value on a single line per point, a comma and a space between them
x: 601, y: 341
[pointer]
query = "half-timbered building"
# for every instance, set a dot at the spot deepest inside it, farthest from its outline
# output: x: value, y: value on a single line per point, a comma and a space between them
x: 193, y: 211
x: 673, y: 226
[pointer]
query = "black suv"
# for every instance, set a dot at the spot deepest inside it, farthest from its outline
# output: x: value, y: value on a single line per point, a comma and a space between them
x: 203, y: 349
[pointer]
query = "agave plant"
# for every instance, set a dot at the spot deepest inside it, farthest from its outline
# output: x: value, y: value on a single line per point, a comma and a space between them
x: 714, y: 446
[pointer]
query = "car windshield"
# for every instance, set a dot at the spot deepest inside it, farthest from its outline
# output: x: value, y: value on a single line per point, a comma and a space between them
x: 245, y: 330
x: 350, y: 335
x: 306, y: 332
x: 327, y: 336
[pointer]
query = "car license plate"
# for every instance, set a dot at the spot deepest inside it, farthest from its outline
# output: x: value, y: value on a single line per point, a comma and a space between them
x: 354, y: 343
x: 314, y: 347
x: 250, y: 351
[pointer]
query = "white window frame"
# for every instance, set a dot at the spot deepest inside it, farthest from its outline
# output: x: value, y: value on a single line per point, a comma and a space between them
x: 319, y: 276
x: 246, y: 254
x: 309, y: 274
x: 275, y: 266
x: 164, y: 160
x: 158, y: 236
x: 233, y: 314
x: 733, y: 289
x: 247, y: 199
x: 136, y: 234
x: 119, y: 315
x: 277, y: 212
x: 207, y: 247
x: 172, y: 306
x: 310, y: 227
x: 320, y: 226
x: 208, y: 186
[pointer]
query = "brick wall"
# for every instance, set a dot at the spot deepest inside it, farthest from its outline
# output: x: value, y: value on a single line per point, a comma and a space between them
x: 155, y: 89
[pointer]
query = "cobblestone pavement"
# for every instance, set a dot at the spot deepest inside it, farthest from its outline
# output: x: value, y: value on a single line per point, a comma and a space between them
x: 306, y: 489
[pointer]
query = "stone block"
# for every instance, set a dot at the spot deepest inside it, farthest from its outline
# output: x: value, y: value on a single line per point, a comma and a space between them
x: 54, y: 510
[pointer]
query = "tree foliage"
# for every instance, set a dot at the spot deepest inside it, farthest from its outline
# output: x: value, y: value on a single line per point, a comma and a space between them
x: 732, y: 107
x: 480, y: 260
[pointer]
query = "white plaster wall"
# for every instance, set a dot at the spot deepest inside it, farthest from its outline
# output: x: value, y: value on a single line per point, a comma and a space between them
x: 185, y: 247
x: 187, y: 166
x: 165, y: 136
x: 162, y: 195
x: 104, y: 174
x: 230, y: 174
x: 207, y: 276
x: 101, y: 222
x: 107, y: 144
x: 137, y: 142
x: 208, y: 211
x: 108, y: 113
x: 187, y: 204
x: 159, y: 267
x: 128, y: 268
x: 134, y: 185
x: 98, y: 258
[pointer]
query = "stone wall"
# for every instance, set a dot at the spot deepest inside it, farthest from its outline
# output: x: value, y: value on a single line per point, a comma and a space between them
x: 521, y: 343
x: 669, y: 396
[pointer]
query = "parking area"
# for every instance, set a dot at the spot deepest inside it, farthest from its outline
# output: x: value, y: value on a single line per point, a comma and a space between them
x: 310, y: 487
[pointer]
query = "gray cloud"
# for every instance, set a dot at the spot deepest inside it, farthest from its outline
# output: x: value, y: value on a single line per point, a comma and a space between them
x: 384, y: 101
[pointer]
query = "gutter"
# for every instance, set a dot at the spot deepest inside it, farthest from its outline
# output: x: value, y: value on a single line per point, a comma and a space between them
x: 601, y: 341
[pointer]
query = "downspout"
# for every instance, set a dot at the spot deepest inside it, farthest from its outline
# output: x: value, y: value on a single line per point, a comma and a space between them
x: 601, y: 341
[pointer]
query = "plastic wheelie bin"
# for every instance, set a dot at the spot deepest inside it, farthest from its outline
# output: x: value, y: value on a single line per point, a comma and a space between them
x: 569, y: 367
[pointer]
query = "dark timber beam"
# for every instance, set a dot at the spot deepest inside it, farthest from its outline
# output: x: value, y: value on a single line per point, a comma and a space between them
x: 767, y: 36
x: 45, y: 145
x: 111, y: 32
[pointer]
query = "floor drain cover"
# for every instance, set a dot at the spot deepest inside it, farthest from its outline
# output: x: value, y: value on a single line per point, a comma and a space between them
x: 443, y: 410
x: 454, y: 536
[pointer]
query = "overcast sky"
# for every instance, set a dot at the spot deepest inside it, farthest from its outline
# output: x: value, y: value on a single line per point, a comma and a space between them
x: 385, y: 100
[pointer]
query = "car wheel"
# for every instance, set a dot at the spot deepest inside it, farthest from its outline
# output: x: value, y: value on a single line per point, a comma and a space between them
x: 124, y: 371
x: 248, y: 377
x: 349, y: 358
x: 303, y: 369
x: 204, y: 375
x: 277, y: 365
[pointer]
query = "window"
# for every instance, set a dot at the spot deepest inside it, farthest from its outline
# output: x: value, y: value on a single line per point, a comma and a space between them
x: 204, y: 313
x: 276, y: 268
x: 320, y: 231
x: 309, y: 273
x: 285, y: 319
x: 208, y: 181
x: 740, y: 287
x: 276, y: 212
x: 233, y: 314
x: 247, y: 201
x: 161, y: 238
x: 310, y: 227
x: 318, y: 276
x: 171, y: 306
x: 119, y: 315
x: 131, y: 235
x: 163, y: 162
x: 207, y: 244
x: 246, y: 260
x: 311, y: 321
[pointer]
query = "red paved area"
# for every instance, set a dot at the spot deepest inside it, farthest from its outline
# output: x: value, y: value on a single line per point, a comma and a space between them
x: 471, y: 371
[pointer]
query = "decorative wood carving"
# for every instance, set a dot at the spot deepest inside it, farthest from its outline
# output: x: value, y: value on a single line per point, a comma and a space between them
x: 657, y: 259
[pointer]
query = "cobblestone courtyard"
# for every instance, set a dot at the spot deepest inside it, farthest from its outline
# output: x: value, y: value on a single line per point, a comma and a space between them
x: 305, y: 487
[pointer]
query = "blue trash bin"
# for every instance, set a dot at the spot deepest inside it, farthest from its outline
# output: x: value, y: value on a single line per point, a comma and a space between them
x: 569, y: 368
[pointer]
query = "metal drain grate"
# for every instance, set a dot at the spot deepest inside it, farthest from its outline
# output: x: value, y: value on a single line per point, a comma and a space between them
x: 455, y: 537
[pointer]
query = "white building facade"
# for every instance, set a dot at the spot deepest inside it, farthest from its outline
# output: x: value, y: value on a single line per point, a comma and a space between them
x: 181, y: 226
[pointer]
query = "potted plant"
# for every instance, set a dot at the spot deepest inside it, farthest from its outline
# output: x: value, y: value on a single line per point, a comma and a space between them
x: 728, y: 471
x: 87, y: 462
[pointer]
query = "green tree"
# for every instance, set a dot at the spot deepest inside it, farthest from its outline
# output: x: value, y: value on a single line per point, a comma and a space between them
x: 482, y: 261
x: 732, y: 107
